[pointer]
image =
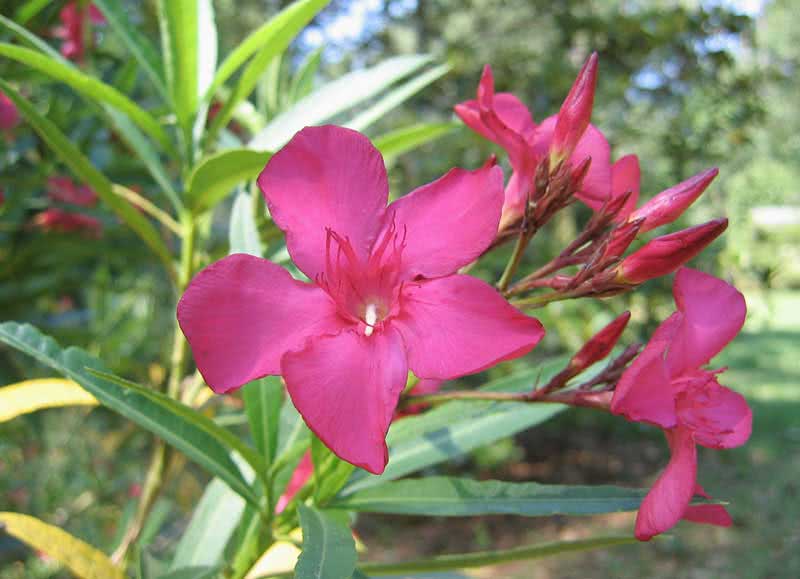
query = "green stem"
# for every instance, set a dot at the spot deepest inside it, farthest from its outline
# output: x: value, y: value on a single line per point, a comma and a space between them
x: 544, y: 299
x: 513, y: 261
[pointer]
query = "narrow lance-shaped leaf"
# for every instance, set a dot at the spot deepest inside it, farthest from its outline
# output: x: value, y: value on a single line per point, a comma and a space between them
x: 216, y: 176
x: 303, y: 81
x: 32, y: 395
x: 334, y: 98
x: 329, y: 551
x: 189, y: 431
x: 30, y: 38
x: 395, y: 143
x: 72, y: 157
x: 89, y: 87
x: 262, y: 403
x: 243, y: 238
x: 458, y: 497
x: 79, y: 557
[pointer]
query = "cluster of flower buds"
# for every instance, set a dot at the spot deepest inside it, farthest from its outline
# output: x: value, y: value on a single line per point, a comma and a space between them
x: 63, y: 190
x: 75, y: 17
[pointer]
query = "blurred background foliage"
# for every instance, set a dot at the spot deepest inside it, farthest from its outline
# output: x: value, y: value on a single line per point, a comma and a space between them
x: 684, y: 84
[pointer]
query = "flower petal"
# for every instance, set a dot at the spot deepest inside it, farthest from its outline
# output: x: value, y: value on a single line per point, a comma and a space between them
x: 714, y: 312
x: 459, y: 325
x: 707, y: 514
x: 449, y: 222
x: 720, y: 418
x: 242, y: 313
x: 326, y: 177
x: 626, y: 176
x: 346, y: 388
x: 644, y: 393
x: 301, y: 475
x: 667, y: 501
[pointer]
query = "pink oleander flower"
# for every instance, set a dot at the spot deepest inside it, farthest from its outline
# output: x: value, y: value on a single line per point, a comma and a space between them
x: 60, y: 221
x: 505, y: 120
x: 9, y: 116
x: 668, y: 386
x: 73, y: 20
x: 385, y: 295
x: 65, y: 190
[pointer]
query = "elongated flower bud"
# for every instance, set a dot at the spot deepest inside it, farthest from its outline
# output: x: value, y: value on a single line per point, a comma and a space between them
x: 665, y: 254
x: 573, y: 118
x: 599, y: 345
x: 668, y: 205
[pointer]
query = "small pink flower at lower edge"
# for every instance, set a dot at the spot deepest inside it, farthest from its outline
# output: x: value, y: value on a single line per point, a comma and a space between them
x: 505, y: 120
x: 667, y: 386
x: 385, y: 296
x: 71, y: 31
x: 9, y: 116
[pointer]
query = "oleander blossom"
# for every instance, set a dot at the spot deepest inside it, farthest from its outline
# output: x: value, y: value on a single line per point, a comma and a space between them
x: 567, y: 136
x: 73, y: 18
x: 668, y: 386
x: 385, y: 295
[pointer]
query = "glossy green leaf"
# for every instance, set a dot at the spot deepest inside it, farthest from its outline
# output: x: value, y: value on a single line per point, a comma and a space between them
x: 88, y: 86
x: 275, y: 34
x: 396, y: 97
x: 455, y: 428
x: 262, y: 403
x: 400, y: 141
x: 303, y: 81
x: 329, y: 551
x: 211, y: 527
x: 330, y: 472
x: 216, y: 176
x: 189, y: 431
x: 136, y: 43
x: 459, y: 497
x: 484, y: 558
x: 72, y: 157
x: 336, y: 97
x: 242, y: 232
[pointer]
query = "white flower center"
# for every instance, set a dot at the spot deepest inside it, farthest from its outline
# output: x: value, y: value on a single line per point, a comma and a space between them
x: 370, y: 317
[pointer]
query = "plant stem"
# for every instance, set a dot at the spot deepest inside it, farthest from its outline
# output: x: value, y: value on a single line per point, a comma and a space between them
x: 523, y: 239
x: 145, y: 205
x: 597, y: 400
x: 544, y: 299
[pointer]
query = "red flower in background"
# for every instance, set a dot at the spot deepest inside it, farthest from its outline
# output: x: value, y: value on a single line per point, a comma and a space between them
x: 386, y: 296
x: 65, y: 190
x: 60, y: 221
x: 9, y: 116
x: 667, y: 386
x: 72, y: 29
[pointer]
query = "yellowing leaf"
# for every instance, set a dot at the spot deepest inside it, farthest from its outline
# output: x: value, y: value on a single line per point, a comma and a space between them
x: 32, y: 395
x: 80, y: 558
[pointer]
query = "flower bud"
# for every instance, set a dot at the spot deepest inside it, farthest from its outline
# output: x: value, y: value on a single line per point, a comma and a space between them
x: 573, y: 118
x: 665, y: 254
x: 621, y: 239
x: 600, y: 345
x: 668, y: 205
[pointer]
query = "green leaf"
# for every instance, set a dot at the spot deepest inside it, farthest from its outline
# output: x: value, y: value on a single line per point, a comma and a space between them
x: 83, y: 169
x: 30, y: 38
x: 396, y: 97
x: 303, y: 81
x: 458, y: 497
x: 203, y: 572
x: 336, y: 97
x: 330, y: 472
x: 275, y: 34
x: 30, y: 9
x: 32, y: 395
x: 79, y: 557
x: 455, y: 428
x: 189, y: 431
x: 484, y: 558
x: 212, y: 525
x: 189, y: 44
x: 217, y: 175
x: 243, y: 233
x: 262, y: 402
x: 400, y: 141
x: 138, y: 45
x: 329, y: 551
x: 89, y: 87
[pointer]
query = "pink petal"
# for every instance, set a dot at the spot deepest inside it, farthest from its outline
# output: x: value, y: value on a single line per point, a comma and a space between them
x: 450, y: 222
x: 346, y: 387
x: 459, y: 325
x: 300, y: 476
x: 242, y: 313
x: 714, y: 312
x: 707, y: 514
x: 667, y: 501
x: 626, y: 176
x: 597, y: 183
x: 719, y: 417
x: 326, y: 177
x: 644, y: 393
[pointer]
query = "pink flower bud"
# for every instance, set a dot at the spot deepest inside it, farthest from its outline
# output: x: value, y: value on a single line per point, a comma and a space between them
x: 9, y: 116
x: 621, y: 239
x: 665, y: 254
x: 668, y: 205
x: 573, y: 118
x: 600, y: 345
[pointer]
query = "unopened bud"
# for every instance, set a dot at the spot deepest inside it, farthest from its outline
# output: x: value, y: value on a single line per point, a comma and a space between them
x: 600, y: 345
x: 668, y: 205
x: 573, y: 118
x: 621, y: 239
x: 665, y: 254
